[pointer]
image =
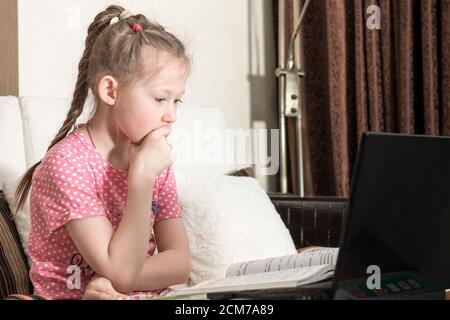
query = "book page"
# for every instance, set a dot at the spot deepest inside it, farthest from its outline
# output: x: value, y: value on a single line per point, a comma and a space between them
x: 309, y: 257
x: 277, y: 279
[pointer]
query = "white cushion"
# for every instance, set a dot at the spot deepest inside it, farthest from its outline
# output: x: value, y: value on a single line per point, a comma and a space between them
x: 42, y: 118
x: 228, y: 220
x: 12, y: 153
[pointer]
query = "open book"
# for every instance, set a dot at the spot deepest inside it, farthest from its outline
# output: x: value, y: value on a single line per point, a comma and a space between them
x: 309, y: 266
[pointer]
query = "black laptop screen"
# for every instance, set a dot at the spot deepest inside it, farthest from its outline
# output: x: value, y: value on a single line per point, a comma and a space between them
x: 398, y: 218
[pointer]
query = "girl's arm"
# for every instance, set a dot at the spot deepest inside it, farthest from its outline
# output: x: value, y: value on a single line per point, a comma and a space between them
x: 172, y: 264
x: 120, y: 255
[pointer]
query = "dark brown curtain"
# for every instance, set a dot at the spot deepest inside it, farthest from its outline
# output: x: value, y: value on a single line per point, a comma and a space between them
x: 393, y: 79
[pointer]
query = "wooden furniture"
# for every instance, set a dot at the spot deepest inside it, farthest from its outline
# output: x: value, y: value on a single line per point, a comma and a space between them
x: 9, y: 42
x: 313, y: 221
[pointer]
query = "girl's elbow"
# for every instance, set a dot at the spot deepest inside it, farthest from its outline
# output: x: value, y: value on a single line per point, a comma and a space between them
x: 124, y: 284
x: 124, y: 281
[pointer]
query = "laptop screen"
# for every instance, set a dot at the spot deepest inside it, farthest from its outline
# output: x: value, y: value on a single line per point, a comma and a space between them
x: 396, y: 237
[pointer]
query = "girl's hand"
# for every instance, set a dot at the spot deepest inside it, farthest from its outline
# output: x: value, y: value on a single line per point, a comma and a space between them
x: 152, y: 155
x: 100, y: 288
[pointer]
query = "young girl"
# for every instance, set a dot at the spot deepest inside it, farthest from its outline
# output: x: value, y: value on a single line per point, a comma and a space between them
x: 105, y: 194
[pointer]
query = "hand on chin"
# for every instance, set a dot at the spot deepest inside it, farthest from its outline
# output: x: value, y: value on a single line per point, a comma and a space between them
x: 139, y: 141
x: 142, y: 139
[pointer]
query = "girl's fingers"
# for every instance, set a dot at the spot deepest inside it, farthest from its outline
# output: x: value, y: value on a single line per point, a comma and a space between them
x: 101, y: 295
x: 104, y: 296
x: 105, y: 288
x: 115, y: 294
x: 163, y: 131
x: 96, y: 295
x: 109, y: 289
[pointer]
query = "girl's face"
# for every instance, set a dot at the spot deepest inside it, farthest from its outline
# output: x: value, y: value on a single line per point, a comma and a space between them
x: 149, y: 105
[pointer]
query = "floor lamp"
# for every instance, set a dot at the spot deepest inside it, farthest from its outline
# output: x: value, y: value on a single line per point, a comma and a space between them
x: 290, y: 99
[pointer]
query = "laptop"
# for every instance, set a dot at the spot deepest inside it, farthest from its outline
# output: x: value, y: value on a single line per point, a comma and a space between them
x: 395, y: 242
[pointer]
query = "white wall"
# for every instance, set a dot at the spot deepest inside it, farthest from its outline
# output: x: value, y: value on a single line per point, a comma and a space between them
x: 228, y: 39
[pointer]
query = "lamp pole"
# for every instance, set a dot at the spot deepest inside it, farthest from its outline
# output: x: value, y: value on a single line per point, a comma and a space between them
x: 290, y: 99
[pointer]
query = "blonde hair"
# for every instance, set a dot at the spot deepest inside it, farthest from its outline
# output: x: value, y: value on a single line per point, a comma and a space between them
x: 114, y: 49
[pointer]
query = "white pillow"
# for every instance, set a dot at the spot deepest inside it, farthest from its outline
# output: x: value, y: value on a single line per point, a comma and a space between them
x: 21, y: 218
x: 228, y: 220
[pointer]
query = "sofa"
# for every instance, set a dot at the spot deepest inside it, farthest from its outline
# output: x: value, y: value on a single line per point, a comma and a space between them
x: 254, y: 225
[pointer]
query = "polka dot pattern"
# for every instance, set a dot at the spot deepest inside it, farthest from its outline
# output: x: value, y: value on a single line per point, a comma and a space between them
x: 74, y: 181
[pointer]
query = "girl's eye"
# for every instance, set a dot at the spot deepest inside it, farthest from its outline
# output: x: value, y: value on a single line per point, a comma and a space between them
x: 159, y: 100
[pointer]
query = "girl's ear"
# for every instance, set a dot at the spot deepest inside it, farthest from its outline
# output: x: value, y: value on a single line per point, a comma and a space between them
x: 107, y: 90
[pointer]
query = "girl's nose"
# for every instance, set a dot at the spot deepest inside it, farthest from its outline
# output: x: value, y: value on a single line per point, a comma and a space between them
x: 171, y: 115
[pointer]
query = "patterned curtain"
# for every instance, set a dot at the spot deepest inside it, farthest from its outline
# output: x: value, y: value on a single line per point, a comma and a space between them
x: 395, y: 78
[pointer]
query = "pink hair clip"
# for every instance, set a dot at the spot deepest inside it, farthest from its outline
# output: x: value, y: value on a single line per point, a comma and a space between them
x: 137, y: 27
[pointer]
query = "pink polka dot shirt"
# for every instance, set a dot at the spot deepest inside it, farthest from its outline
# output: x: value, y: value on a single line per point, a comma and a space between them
x: 74, y: 181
